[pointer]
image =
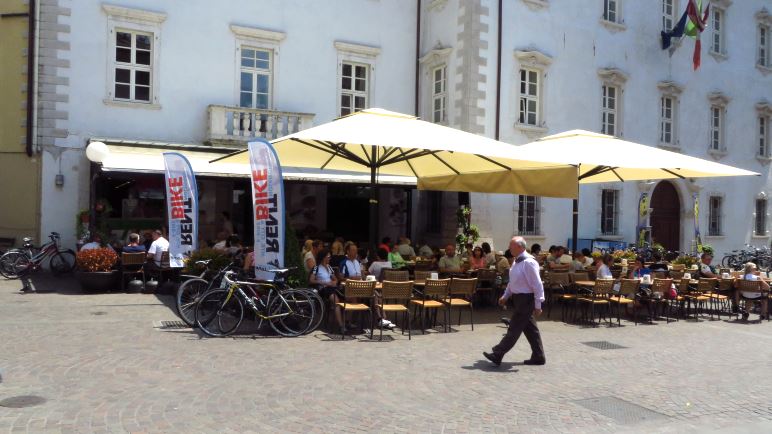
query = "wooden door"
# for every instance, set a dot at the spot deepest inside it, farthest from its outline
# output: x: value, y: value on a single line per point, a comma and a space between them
x: 666, y: 216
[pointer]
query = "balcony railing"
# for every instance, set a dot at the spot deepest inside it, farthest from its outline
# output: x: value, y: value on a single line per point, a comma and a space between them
x: 239, y: 124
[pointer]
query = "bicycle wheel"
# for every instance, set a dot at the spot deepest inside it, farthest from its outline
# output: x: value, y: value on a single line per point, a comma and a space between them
x: 319, y: 309
x: 217, y: 315
x: 726, y: 261
x: 188, y: 295
x: 14, y: 264
x: 294, y: 313
x: 62, y: 262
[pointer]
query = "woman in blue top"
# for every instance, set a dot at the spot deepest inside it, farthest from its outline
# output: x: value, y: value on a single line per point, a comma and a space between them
x: 638, y: 270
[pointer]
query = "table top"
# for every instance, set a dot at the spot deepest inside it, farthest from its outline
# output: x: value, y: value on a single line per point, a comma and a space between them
x: 585, y: 282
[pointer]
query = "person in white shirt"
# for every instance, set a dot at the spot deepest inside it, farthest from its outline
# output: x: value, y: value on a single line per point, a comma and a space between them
x: 309, y: 259
x: 603, y: 263
x: 96, y: 243
x: 425, y: 251
x: 156, y: 250
x: 380, y: 262
x: 526, y: 290
x: 350, y: 267
x: 750, y: 274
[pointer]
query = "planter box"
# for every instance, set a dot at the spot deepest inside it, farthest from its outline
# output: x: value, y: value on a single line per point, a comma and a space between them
x: 99, y: 281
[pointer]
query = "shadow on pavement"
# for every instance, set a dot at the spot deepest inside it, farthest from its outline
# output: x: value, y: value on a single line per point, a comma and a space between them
x: 484, y: 365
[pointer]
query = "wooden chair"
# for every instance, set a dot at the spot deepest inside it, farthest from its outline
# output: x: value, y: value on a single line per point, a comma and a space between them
x: 625, y: 297
x: 577, y: 276
x: 357, y: 289
x: 724, y: 297
x: 423, y: 265
x: 558, y: 284
x: 486, y: 281
x: 708, y: 289
x: 163, y: 270
x: 421, y: 275
x: 616, y: 271
x: 132, y: 264
x: 658, y: 275
x: 433, y: 296
x: 395, y: 275
x: 397, y: 291
x: 676, y: 275
x: 659, y: 286
x: 693, y: 296
x: 751, y: 286
x: 599, y: 297
x: 464, y: 289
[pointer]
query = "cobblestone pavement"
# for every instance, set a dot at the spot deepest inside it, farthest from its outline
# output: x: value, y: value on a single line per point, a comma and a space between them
x: 101, y: 366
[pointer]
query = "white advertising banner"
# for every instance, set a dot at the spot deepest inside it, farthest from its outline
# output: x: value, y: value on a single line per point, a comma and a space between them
x: 182, y: 207
x: 268, y: 207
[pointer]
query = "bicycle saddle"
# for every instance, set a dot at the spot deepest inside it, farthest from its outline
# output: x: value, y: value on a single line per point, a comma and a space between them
x: 27, y: 239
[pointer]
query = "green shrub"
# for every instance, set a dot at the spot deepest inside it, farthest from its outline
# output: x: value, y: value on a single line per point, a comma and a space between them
x: 297, y: 277
x: 219, y: 260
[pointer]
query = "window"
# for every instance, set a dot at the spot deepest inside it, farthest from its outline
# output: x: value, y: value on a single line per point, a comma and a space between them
x: 353, y: 88
x: 134, y: 37
x: 763, y: 54
x: 714, y: 216
x: 667, y: 115
x: 609, y: 212
x: 133, y: 66
x: 609, y: 110
x: 439, y: 94
x: 610, y: 10
x: 760, y: 219
x: 668, y: 14
x: 529, y: 97
x: 528, y: 216
x: 717, y: 23
x: 716, y: 128
x: 255, y: 78
x: 434, y: 212
x: 763, y: 136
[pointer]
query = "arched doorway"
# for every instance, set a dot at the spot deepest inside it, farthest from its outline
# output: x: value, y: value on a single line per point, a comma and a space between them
x: 666, y: 216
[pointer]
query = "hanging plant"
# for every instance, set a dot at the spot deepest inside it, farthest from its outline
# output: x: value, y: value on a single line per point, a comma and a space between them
x: 467, y: 232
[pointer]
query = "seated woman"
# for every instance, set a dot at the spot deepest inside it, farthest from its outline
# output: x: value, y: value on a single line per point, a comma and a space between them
x: 604, y: 263
x: 490, y: 257
x: 750, y: 274
x: 478, y: 259
x: 397, y: 261
x: 323, y: 278
x: 638, y: 269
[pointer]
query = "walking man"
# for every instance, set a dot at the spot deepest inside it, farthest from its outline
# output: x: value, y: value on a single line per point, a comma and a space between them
x: 527, y: 293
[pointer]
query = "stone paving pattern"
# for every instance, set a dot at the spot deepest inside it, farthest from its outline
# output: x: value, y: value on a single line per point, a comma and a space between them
x: 102, y: 367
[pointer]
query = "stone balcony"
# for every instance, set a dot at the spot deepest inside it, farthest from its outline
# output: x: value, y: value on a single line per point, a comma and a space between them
x: 238, y: 125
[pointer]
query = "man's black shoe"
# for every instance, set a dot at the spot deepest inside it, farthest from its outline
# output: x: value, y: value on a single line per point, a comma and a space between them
x: 534, y: 362
x: 492, y: 357
x: 505, y: 321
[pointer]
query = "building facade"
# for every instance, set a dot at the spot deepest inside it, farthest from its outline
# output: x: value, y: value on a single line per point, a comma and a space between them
x: 19, y: 165
x: 139, y: 71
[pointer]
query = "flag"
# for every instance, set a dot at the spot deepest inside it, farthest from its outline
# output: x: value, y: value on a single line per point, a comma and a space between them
x: 675, y: 32
x: 643, y: 210
x: 692, y: 23
x: 182, y: 207
x: 268, y: 208
x: 697, y: 238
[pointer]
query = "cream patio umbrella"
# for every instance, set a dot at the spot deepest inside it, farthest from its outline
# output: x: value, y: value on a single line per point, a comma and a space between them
x: 378, y: 141
x: 602, y: 158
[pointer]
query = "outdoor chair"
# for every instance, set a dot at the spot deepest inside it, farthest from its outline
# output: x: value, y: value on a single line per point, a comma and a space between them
x: 658, y: 275
x: 423, y: 265
x: 723, y: 298
x: 132, y: 264
x: 751, y: 286
x: 464, y: 290
x: 599, y: 297
x: 486, y: 281
x: 625, y: 297
x: 660, y: 290
x: 421, y: 275
x: 616, y: 271
x: 395, y: 275
x: 694, y: 297
x: 557, y: 287
x: 357, y: 289
x: 397, y: 291
x: 163, y: 270
x: 676, y: 275
x: 708, y: 289
x: 432, y: 297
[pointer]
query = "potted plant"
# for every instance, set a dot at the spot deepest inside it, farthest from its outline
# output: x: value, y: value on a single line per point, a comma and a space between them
x: 95, y: 270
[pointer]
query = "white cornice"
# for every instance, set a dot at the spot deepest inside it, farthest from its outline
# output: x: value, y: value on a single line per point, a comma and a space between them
x: 533, y: 58
x: 537, y: 4
x: 362, y: 50
x: 764, y: 108
x: 135, y: 15
x: 613, y: 76
x: 255, y: 33
x: 723, y: 4
x: 437, y: 5
x: 436, y: 55
x: 719, y: 99
x: 670, y: 88
x: 763, y: 16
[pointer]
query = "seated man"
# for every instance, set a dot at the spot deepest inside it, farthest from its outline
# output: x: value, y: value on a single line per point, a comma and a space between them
x: 134, y: 246
x: 553, y: 262
x: 96, y: 243
x: 450, y: 263
x: 156, y: 250
x: 425, y: 251
x: 379, y: 263
x: 706, y: 270
x: 405, y: 249
x: 579, y: 262
x: 750, y: 274
x: 505, y: 263
x: 350, y: 267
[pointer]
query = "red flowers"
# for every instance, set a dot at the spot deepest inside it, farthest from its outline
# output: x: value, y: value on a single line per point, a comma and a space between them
x: 101, y: 259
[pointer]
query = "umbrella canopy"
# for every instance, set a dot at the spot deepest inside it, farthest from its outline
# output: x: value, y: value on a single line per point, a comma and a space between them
x: 378, y: 141
x: 382, y: 142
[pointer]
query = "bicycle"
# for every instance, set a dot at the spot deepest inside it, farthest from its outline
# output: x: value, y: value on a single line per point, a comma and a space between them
x: 16, y: 263
x: 191, y: 290
x: 289, y: 313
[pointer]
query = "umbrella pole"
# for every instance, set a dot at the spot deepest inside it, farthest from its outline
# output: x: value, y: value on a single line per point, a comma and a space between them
x: 575, y: 226
x: 373, y: 207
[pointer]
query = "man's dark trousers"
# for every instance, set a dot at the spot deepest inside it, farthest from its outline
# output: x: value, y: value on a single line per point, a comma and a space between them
x: 522, y: 322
